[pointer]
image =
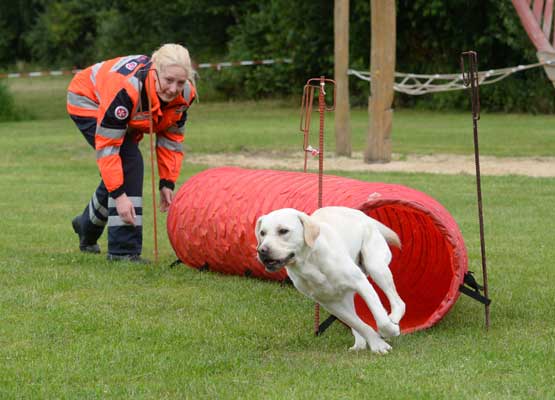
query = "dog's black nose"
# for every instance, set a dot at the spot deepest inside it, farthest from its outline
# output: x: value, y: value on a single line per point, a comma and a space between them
x: 263, y: 251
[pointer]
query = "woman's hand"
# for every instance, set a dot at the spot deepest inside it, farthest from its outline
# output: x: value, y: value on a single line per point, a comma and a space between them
x: 125, y: 209
x: 166, y: 197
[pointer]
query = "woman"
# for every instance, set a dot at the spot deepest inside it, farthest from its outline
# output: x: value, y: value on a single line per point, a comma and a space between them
x: 112, y: 103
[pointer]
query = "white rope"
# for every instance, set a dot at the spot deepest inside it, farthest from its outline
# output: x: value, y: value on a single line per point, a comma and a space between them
x: 418, y: 84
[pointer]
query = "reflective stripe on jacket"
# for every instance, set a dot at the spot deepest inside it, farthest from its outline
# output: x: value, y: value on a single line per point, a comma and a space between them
x: 114, y: 92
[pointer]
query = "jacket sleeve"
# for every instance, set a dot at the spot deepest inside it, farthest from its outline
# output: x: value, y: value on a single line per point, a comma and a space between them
x: 169, y: 143
x: 110, y: 133
x: 169, y: 152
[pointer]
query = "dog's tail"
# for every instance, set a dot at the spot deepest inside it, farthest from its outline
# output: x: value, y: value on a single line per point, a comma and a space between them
x: 390, y: 236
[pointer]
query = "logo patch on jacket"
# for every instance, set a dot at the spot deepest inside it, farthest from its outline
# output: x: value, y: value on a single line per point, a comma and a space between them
x: 131, y: 65
x: 121, y: 112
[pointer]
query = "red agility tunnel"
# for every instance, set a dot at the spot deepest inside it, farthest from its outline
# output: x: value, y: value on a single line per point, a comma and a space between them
x: 212, y: 219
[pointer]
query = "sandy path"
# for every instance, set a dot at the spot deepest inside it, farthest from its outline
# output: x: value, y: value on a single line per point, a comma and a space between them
x: 440, y: 163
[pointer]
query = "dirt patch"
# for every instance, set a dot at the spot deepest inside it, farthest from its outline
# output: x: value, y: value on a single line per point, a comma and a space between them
x: 438, y: 164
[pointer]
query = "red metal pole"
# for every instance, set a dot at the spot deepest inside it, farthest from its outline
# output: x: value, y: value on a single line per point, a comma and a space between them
x: 321, y: 110
x: 306, y: 111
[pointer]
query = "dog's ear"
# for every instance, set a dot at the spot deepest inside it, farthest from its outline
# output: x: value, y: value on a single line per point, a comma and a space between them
x: 311, y: 229
x: 257, y: 228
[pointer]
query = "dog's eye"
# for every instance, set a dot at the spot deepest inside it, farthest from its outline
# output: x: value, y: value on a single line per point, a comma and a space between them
x: 262, y: 233
x: 283, y: 231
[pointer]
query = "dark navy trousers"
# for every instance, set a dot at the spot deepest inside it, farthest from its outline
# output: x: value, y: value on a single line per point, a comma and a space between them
x: 101, y: 209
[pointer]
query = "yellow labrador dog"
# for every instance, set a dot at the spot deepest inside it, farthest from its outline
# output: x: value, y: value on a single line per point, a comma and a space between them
x: 328, y: 256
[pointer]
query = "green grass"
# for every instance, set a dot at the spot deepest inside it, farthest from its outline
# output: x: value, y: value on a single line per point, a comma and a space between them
x: 274, y: 125
x: 74, y: 326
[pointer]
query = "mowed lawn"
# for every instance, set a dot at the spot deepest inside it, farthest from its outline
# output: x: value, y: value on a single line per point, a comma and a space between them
x: 74, y: 326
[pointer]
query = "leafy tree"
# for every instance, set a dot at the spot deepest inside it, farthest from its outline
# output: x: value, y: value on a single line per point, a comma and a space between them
x: 140, y: 26
x: 65, y: 33
x: 16, y: 18
x: 431, y: 34
x: 6, y: 103
x: 299, y: 30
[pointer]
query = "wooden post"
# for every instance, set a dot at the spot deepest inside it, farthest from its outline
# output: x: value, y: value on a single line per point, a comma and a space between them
x: 382, y: 73
x: 341, y: 66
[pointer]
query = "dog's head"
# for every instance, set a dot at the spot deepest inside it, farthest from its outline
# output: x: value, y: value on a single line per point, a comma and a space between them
x: 282, y: 236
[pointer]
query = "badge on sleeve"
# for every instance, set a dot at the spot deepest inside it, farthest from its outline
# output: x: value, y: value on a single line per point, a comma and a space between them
x: 121, y: 112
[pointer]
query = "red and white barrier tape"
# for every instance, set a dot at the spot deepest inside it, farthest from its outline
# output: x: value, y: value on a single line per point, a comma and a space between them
x: 217, y: 66
x: 38, y: 73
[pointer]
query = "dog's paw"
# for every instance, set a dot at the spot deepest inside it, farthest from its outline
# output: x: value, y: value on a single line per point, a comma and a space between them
x: 358, y: 347
x: 389, y: 330
x: 379, y: 346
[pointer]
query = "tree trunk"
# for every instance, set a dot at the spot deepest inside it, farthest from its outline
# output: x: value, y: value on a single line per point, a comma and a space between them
x: 341, y: 66
x: 382, y: 73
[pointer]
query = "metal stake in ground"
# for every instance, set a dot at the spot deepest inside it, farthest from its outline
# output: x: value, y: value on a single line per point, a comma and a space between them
x: 306, y: 111
x: 470, y: 80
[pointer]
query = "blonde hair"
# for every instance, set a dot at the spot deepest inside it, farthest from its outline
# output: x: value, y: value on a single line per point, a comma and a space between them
x: 173, y: 54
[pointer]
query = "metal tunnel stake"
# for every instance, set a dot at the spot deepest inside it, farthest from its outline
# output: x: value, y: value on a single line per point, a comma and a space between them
x: 470, y: 287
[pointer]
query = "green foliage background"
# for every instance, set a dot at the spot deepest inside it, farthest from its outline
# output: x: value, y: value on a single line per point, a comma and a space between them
x: 431, y: 34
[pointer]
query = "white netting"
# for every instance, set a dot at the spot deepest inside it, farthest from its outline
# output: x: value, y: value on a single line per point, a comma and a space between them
x: 417, y: 84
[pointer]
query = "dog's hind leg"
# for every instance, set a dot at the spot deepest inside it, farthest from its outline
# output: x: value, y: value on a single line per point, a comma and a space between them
x: 376, y: 257
x: 386, y: 327
x: 360, y: 342
x: 344, y: 309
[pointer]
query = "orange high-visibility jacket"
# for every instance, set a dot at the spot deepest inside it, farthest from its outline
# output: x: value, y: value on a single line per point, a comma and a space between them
x: 114, y: 92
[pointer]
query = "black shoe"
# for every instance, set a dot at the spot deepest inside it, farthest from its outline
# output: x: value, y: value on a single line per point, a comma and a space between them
x: 83, y: 245
x: 132, y: 258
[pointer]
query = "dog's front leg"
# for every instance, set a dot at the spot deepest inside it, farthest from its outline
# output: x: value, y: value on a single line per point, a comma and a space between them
x: 344, y: 309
